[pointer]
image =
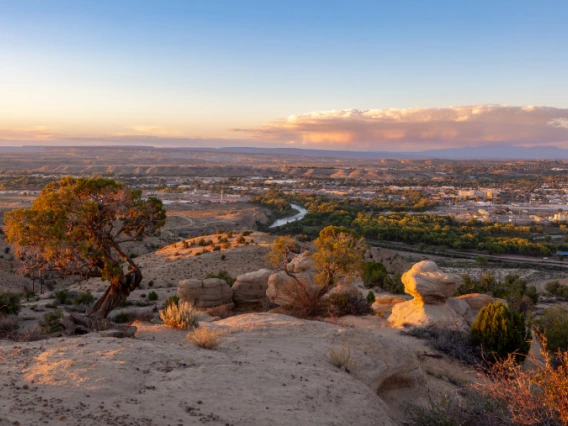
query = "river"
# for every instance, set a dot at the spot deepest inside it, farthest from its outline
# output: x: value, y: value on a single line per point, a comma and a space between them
x: 288, y: 219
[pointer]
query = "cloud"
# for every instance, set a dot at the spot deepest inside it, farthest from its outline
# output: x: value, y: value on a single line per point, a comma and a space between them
x: 36, y: 133
x: 420, y: 128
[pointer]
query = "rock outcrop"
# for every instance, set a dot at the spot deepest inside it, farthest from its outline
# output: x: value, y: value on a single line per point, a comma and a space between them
x: 205, y: 293
x: 432, y: 304
x: 280, y: 284
x: 251, y: 288
x: 431, y: 289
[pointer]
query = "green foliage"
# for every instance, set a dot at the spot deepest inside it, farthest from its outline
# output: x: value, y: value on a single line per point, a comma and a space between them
x: 84, y: 298
x: 67, y: 228
x: 501, y: 331
x: 339, y: 255
x: 277, y: 257
x: 374, y: 274
x: 345, y: 302
x: 152, y: 296
x: 395, y: 284
x: 9, y: 303
x: 371, y: 297
x: 61, y: 296
x: 556, y: 289
x: 172, y: 300
x: 51, y: 321
x: 151, y: 283
x: 123, y: 317
x: 514, y: 289
x: 223, y: 275
x: 554, y: 325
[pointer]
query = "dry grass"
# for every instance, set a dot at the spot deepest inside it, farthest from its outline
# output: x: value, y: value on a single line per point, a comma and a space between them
x: 222, y: 311
x: 206, y: 338
x: 8, y: 324
x: 341, y: 358
x: 535, y: 396
x: 182, y: 316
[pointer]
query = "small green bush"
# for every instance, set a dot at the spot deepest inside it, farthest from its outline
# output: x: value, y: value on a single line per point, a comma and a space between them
x: 370, y: 297
x: 123, y: 317
x: 84, y: 298
x: 556, y: 289
x: 152, y: 296
x: 151, y: 283
x: 501, y: 331
x: 223, y: 275
x: 374, y: 274
x: 345, y: 302
x: 172, y: 300
x: 50, y: 322
x: 223, y: 257
x: 554, y: 325
x: 9, y: 303
x: 61, y: 296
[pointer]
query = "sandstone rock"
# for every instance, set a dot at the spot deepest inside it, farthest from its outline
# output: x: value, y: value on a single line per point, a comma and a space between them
x: 280, y: 283
x: 389, y: 299
x: 428, y: 284
x: 251, y: 287
x: 205, y: 293
x: 415, y: 313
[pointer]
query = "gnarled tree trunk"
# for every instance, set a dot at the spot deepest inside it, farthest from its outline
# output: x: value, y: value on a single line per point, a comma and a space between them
x: 116, y: 293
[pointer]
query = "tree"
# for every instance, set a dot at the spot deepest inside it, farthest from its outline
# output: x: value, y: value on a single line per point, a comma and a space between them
x: 277, y: 257
x: 339, y: 256
x: 76, y: 227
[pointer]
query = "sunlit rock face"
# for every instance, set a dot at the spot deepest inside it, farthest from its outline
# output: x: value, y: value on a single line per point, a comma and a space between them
x: 432, y: 289
x: 205, y: 293
x: 250, y: 288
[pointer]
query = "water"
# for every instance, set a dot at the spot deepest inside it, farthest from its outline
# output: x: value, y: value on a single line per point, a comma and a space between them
x: 288, y: 219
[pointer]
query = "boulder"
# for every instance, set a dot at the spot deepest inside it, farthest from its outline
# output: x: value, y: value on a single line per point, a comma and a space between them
x: 432, y: 304
x: 417, y: 314
x: 428, y: 284
x: 280, y: 283
x: 205, y: 293
x: 251, y: 288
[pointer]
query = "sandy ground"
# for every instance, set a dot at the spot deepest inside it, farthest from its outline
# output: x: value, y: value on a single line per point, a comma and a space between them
x: 270, y: 369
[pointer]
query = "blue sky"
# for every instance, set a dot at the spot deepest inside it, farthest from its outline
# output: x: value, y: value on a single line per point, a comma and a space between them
x: 89, y: 70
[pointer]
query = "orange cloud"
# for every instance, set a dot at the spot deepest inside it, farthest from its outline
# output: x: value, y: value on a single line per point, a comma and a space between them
x: 421, y: 128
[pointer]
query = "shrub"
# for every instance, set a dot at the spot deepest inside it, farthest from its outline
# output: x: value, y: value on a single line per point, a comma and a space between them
x: 241, y: 240
x: 450, y: 341
x: 124, y: 317
x: 51, y: 322
x: 554, y: 325
x: 84, y: 298
x: 222, y: 311
x: 206, y: 338
x: 345, y: 302
x: 341, y: 358
x: 185, y: 245
x: 143, y: 295
x: 512, y: 288
x: 9, y: 303
x: 533, y: 396
x: 223, y: 275
x: 501, y: 331
x: 216, y: 248
x: 152, y: 296
x: 8, y: 324
x: 172, y: 300
x: 61, y: 296
x: 394, y: 284
x: 182, y: 316
x: 245, y: 233
x: 370, y: 297
x: 151, y: 283
x: 374, y: 274
x: 556, y: 289
x: 223, y: 257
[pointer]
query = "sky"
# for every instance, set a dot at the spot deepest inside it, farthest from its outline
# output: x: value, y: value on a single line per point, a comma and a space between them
x: 361, y: 75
